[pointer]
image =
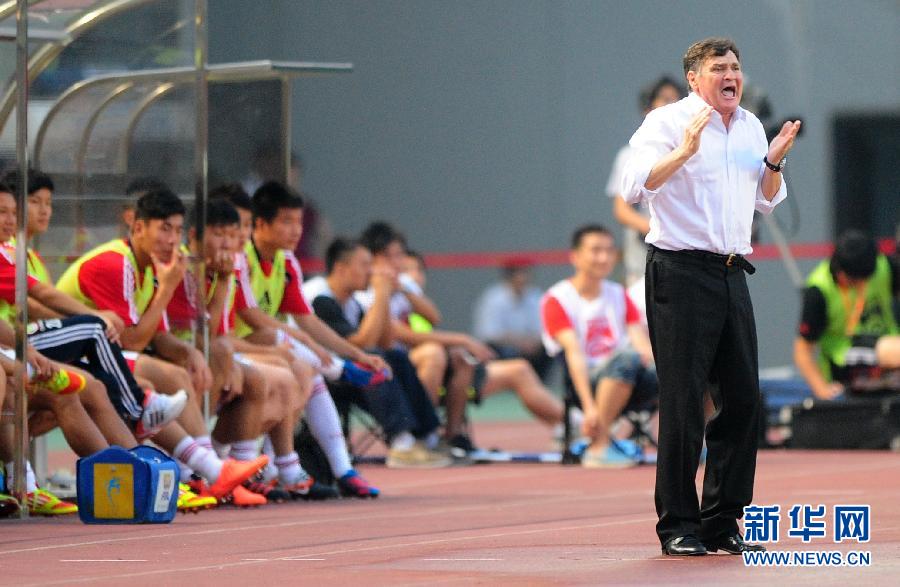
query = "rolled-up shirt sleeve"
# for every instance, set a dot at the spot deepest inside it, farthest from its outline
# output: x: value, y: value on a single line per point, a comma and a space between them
x: 762, y: 205
x: 651, y: 142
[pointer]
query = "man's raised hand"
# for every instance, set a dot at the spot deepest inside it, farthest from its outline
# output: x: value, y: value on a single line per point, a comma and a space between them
x: 783, y: 141
x: 691, y: 143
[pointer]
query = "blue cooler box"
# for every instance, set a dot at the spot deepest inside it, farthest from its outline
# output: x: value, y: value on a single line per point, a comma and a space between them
x: 118, y: 486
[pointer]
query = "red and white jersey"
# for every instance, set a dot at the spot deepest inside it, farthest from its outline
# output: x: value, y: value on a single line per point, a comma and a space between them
x: 8, y: 274
x: 242, y: 276
x: 599, y: 324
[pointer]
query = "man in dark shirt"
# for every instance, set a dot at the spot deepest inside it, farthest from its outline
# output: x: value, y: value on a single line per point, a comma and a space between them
x: 401, y: 406
x: 848, y: 333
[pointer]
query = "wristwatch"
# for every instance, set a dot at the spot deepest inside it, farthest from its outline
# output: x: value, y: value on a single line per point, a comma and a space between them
x: 773, y: 167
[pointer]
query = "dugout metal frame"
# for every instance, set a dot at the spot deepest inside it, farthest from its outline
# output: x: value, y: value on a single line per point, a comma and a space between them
x: 155, y: 84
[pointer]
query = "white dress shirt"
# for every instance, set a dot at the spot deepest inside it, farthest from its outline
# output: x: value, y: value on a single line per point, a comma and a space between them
x: 708, y: 203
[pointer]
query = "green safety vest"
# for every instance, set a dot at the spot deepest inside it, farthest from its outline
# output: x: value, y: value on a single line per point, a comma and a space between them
x: 144, y: 287
x: 420, y: 324
x: 268, y: 289
x: 877, y: 315
x: 37, y: 268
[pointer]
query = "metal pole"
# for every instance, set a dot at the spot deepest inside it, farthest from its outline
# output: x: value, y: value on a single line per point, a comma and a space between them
x: 201, y: 161
x: 286, y: 128
x: 20, y: 449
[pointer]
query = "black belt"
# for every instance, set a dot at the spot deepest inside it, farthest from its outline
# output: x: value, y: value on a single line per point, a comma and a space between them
x: 730, y: 260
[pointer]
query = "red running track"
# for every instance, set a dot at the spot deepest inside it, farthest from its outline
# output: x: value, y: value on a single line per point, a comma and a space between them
x: 489, y: 524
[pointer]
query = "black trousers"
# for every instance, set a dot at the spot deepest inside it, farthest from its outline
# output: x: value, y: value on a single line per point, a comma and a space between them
x: 702, y: 330
x: 81, y: 341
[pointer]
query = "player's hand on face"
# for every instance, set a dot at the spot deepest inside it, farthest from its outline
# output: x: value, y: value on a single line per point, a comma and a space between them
x: 691, y: 142
x: 222, y: 263
x: 170, y: 274
x: 384, y: 278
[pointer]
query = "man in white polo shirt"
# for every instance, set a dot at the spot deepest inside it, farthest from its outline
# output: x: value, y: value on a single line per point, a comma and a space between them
x: 703, y: 165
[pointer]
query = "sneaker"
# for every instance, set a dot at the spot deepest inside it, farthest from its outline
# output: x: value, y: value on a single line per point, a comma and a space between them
x: 9, y: 505
x: 461, y: 442
x: 417, y: 457
x: 188, y: 501
x: 43, y: 503
x: 309, y: 489
x: 243, y: 497
x: 268, y: 490
x: 353, y: 485
x: 361, y: 376
x: 159, y: 410
x: 608, y: 458
x: 235, y: 473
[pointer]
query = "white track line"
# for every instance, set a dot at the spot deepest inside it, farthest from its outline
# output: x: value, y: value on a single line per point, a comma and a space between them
x: 327, y: 520
x: 460, y: 559
x: 103, y: 560
x: 354, y: 550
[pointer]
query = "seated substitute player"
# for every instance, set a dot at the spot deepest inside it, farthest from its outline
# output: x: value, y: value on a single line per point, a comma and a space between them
x: 401, y: 406
x: 285, y: 397
x: 443, y: 359
x: 80, y: 335
x: 516, y: 375
x: 242, y: 395
x: 275, y: 278
x: 597, y: 327
x: 136, y: 279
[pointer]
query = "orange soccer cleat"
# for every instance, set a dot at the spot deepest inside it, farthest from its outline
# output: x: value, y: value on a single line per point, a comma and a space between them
x: 235, y: 473
x: 243, y: 497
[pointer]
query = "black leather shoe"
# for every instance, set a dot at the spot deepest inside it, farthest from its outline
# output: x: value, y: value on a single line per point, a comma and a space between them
x: 733, y: 544
x: 684, y: 546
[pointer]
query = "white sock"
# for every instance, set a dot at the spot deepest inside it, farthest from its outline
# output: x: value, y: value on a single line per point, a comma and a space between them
x: 403, y: 441
x: 205, y: 442
x: 199, y: 458
x: 244, y: 450
x: 222, y: 449
x: 325, y: 425
x: 271, y: 471
x: 289, y: 470
x: 30, y: 480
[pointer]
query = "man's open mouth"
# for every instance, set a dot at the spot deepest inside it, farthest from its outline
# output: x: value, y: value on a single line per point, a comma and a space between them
x: 729, y: 91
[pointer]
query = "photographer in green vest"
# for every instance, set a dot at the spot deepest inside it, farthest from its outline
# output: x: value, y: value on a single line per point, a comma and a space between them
x: 848, y: 336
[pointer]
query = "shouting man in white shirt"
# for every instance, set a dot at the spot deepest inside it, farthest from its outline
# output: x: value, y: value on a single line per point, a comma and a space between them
x: 703, y: 165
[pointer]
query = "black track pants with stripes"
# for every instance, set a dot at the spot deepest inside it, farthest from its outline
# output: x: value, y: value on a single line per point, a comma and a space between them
x: 81, y: 341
